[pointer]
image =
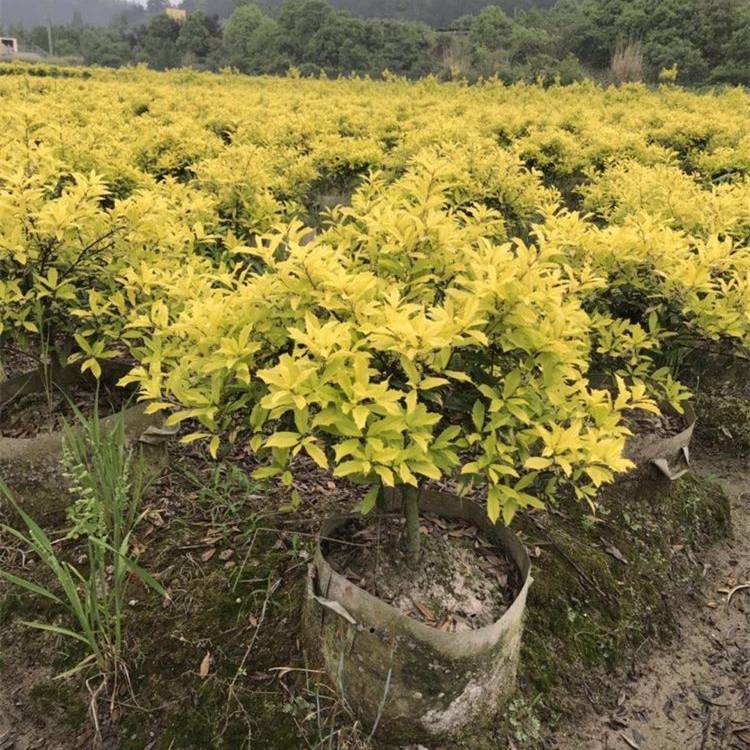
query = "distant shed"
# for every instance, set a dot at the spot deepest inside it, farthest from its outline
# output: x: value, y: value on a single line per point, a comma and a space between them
x: 176, y: 14
x: 8, y: 45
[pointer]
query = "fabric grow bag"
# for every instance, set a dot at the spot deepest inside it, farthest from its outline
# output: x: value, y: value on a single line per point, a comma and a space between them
x: 407, y: 681
x: 670, y: 455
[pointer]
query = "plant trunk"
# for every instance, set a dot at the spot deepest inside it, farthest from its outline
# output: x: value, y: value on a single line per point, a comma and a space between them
x: 381, y: 504
x: 411, y: 511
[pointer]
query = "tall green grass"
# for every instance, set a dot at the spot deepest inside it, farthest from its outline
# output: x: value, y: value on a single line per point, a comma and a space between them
x: 107, y: 491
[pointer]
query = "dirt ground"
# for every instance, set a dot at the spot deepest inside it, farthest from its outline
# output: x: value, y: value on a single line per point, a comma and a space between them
x: 695, y: 695
x: 16, y: 731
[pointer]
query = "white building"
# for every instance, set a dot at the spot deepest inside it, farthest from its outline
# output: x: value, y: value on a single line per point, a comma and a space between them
x: 8, y: 45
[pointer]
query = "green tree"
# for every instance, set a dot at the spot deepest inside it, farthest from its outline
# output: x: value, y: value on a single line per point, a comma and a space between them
x: 735, y: 68
x: 199, y: 39
x: 491, y: 30
x: 159, y: 42
x: 104, y: 47
x: 341, y: 45
x: 299, y: 21
x: 663, y: 49
x: 252, y: 41
x: 528, y: 42
x: 402, y: 47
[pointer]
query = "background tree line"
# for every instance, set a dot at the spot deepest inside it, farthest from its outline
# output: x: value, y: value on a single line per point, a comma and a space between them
x: 698, y: 41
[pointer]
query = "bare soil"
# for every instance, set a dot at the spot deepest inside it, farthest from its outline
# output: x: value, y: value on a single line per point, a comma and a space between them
x: 694, y: 695
x: 461, y: 582
x: 20, y: 730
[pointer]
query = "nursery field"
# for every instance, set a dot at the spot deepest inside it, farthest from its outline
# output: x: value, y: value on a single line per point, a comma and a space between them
x: 352, y: 413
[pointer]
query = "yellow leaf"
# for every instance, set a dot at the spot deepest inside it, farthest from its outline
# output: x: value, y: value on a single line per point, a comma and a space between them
x: 194, y: 437
x: 283, y: 440
x: 94, y: 366
x: 537, y: 463
x: 156, y: 406
x: 317, y: 455
x: 427, y: 384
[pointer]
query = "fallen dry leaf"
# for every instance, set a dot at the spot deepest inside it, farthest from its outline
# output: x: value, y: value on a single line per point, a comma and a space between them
x: 631, y: 741
x: 205, y: 667
x: 427, y: 613
x: 138, y: 548
x: 208, y: 554
x: 612, y: 550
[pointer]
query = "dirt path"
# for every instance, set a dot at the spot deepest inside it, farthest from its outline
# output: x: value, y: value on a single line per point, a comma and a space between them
x: 696, y: 694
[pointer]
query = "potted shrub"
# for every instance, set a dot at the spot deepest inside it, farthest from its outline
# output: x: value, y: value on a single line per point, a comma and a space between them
x: 383, y: 411
x: 662, y: 302
x: 433, y: 355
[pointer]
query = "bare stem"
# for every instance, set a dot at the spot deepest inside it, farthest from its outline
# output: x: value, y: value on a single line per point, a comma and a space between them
x: 411, y: 511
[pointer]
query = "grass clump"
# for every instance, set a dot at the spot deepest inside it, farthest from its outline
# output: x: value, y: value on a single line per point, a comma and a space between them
x: 105, y: 511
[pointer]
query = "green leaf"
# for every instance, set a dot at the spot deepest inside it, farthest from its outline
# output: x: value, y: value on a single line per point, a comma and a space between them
x: 29, y: 586
x: 144, y: 576
x: 477, y: 415
x: 511, y: 383
x: 56, y: 630
x: 370, y: 500
x: 78, y: 668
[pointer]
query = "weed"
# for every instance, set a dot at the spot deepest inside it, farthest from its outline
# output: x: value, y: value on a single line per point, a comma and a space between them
x: 98, y: 465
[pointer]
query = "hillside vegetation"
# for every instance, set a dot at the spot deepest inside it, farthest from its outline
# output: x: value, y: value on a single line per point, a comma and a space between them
x: 688, y: 41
